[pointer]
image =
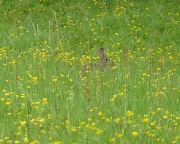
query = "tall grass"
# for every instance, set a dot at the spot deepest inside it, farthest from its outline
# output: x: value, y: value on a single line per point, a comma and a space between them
x: 47, y: 97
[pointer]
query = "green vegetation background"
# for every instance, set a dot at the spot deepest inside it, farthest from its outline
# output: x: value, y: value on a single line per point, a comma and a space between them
x: 47, y: 97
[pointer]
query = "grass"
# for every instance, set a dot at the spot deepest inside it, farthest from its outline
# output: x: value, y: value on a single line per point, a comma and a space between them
x: 47, y: 98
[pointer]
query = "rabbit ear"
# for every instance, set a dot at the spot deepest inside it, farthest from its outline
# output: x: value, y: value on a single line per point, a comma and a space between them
x: 101, y: 52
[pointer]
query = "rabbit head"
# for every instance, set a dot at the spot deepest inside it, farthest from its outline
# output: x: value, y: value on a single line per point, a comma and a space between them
x: 103, y: 60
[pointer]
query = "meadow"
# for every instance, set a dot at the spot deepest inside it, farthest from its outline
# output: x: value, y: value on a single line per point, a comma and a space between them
x: 46, y: 96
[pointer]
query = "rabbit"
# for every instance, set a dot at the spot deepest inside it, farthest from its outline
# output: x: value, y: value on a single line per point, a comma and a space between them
x: 104, y: 62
